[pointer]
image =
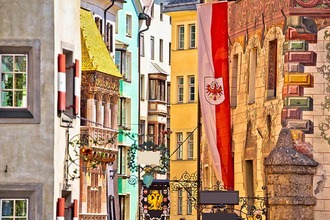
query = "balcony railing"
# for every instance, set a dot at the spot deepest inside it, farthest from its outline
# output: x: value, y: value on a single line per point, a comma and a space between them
x: 93, y: 216
x: 102, y: 138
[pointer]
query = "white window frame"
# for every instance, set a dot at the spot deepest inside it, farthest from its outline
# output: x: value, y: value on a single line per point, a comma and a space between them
x: 189, y: 201
x: 192, y: 88
x: 180, y: 89
x: 179, y: 144
x: 190, y: 152
x: 14, y: 205
x: 14, y: 73
x: 128, y: 25
x: 122, y: 160
x: 180, y: 202
x: 192, y: 36
x: 124, y: 115
x: 152, y: 47
x: 142, y: 52
x: 161, y: 50
x: 30, y: 191
x: 181, y: 37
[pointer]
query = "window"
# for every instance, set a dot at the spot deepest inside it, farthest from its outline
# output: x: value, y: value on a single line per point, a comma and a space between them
x: 142, y: 45
x: 180, y: 201
x: 143, y: 87
x: 190, y: 146
x: 161, y: 12
x: 98, y: 22
x: 116, y: 27
x: 161, y: 129
x: 272, y: 69
x: 191, y: 88
x: 122, y: 205
x: 161, y: 50
x: 189, y: 201
x: 70, y: 75
x: 20, y: 81
x: 252, y: 74
x: 234, y: 78
x: 13, y: 88
x: 179, y: 142
x: 192, y: 35
x: 109, y: 37
x: 122, y: 160
x: 21, y: 201
x: 123, y: 61
x: 168, y: 93
x: 249, y: 178
x: 129, y: 25
x: 14, y: 209
x: 169, y: 53
x: 181, y: 37
x: 128, y: 74
x: 152, y: 13
x: 157, y: 89
x: 180, y: 89
x: 151, y: 132
x: 124, y: 112
x: 142, y: 131
x: 152, y: 48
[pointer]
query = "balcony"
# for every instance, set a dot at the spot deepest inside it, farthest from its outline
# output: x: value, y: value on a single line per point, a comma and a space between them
x: 99, y: 138
x: 93, y: 216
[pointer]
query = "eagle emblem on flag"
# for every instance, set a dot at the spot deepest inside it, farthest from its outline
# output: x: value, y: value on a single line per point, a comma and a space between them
x: 214, y: 91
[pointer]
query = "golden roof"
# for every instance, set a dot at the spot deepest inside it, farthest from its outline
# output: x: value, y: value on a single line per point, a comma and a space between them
x: 95, y: 56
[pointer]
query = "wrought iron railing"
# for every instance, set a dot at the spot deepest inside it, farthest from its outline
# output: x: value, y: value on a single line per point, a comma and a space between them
x: 250, y: 207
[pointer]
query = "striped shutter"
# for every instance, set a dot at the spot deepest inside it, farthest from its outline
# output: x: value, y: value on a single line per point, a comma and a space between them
x: 60, y: 209
x: 76, y: 88
x: 75, y: 210
x: 61, y: 83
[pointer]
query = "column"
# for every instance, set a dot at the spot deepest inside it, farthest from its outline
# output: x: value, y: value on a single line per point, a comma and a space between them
x: 107, y: 111
x: 90, y: 108
x: 99, y: 115
x: 114, y: 112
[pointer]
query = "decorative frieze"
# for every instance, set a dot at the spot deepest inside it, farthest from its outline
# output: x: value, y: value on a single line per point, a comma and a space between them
x: 302, y: 79
x: 288, y: 113
x: 293, y: 67
x: 297, y: 124
x: 292, y: 90
x: 307, y: 58
x: 293, y: 34
x: 297, y: 45
x: 304, y: 103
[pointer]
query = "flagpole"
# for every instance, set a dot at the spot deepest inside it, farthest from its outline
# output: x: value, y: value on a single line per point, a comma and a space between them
x: 199, y: 133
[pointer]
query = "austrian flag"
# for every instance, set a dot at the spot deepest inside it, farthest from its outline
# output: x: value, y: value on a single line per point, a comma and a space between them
x: 213, y: 76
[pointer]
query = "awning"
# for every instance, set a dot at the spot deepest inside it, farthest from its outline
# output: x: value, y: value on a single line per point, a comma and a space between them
x: 95, y: 56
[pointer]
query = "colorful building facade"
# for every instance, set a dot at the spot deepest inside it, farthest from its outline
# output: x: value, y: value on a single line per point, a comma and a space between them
x: 278, y: 71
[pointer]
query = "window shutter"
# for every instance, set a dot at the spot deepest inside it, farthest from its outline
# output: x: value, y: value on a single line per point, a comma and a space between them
x: 61, y: 83
x: 76, y: 88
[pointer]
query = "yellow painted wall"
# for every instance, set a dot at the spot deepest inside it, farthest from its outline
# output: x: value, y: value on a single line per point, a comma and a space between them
x: 183, y: 115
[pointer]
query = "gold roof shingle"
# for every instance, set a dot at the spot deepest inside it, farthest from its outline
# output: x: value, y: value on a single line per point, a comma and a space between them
x: 95, y: 56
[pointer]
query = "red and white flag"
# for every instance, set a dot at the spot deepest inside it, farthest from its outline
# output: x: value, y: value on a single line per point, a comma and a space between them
x: 213, y: 78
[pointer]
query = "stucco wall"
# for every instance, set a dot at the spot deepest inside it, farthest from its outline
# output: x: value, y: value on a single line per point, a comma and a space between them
x: 34, y: 153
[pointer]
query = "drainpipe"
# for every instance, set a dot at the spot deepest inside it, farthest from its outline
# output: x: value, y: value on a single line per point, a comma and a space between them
x: 105, y: 19
x: 142, y: 16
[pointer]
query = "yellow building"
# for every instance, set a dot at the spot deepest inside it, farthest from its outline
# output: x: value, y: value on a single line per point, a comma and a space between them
x: 184, y: 108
